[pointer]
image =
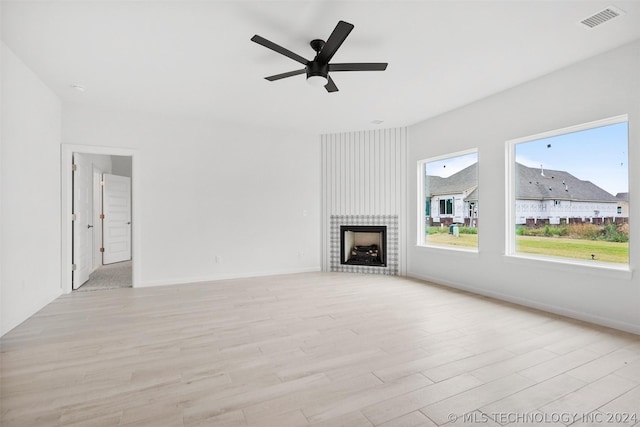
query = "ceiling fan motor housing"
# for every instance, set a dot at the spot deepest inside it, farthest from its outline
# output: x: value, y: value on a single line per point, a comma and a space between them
x: 316, y: 69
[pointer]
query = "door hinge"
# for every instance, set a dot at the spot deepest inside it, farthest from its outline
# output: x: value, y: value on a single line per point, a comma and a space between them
x: 101, y: 249
x: 101, y: 216
x: 73, y: 217
x: 74, y: 267
x: 102, y: 183
x: 74, y: 167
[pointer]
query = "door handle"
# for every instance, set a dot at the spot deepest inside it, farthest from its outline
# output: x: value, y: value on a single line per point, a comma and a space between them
x: 89, y: 226
x: 129, y: 223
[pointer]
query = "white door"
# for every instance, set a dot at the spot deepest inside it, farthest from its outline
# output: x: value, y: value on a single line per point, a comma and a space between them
x: 97, y: 211
x: 82, y: 220
x: 116, y: 224
x: 458, y: 210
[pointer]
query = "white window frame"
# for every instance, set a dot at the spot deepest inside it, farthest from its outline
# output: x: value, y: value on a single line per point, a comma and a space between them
x: 421, y: 230
x: 510, y: 196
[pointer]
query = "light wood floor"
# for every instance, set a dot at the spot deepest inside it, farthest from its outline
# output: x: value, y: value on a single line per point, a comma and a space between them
x: 321, y: 348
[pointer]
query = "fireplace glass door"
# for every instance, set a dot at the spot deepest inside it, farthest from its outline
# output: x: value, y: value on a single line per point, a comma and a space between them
x: 363, y: 245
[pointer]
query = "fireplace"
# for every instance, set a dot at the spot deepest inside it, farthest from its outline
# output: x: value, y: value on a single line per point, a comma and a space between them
x: 388, y: 224
x: 363, y: 245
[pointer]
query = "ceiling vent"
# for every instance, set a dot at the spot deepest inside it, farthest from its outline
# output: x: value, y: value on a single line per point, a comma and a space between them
x: 601, y: 17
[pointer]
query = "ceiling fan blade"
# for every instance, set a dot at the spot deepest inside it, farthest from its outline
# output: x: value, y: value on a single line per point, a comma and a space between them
x: 283, y: 75
x: 359, y: 66
x: 331, y: 86
x: 334, y: 41
x: 277, y: 48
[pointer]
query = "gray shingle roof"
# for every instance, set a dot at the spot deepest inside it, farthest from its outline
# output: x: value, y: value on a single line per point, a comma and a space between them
x: 623, y: 196
x: 531, y: 184
x: 459, y: 182
x: 473, y: 196
x: 556, y: 185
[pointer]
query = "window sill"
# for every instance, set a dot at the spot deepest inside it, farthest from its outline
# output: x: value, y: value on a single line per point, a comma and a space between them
x: 458, y: 249
x: 604, y: 269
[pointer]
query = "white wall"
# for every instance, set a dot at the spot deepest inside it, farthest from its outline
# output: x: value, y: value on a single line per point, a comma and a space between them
x: 2, y: 114
x: 604, y: 86
x: 215, y: 200
x: 30, y: 197
x: 121, y: 165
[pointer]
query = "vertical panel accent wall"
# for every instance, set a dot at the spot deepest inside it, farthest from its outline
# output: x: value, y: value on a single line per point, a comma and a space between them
x: 364, y: 173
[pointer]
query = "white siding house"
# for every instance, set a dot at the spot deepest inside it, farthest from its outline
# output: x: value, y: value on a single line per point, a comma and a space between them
x: 541, y: 195
x: 623, y: 204
x: 557, y: 196
x: 453, y: 199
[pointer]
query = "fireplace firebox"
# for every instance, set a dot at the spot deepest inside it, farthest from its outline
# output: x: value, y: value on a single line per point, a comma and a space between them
x: 363, y: 245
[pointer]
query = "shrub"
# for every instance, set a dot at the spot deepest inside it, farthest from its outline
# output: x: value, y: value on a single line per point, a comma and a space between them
x: 445, y: 230
x: 437, y: 230
x: 468, y: 230
x: 583, y: 231
x: 611, y: 233
x: 523, y: 230
x: 587, y: 231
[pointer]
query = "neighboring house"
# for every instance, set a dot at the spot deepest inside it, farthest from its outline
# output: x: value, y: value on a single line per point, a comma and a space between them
x: 558, y: 196
x: 453, y: 199
x: 541, y: 195
x: 623, y: 204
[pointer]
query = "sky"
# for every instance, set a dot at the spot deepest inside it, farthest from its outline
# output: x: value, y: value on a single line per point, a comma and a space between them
x: 447, y: 167
x: 599, y: 155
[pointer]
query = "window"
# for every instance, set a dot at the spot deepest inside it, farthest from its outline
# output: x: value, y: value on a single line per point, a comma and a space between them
x: 446, y: 207
x: 565, y: 188
x: 448, y: 201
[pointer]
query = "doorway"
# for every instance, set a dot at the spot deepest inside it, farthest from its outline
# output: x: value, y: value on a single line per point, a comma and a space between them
x: 99, y: 233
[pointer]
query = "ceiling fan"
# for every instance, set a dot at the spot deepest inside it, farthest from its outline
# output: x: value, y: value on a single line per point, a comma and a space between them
x: 318, y: 69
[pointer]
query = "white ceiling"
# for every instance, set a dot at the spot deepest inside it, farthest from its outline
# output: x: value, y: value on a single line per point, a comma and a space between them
x: 195, y: 58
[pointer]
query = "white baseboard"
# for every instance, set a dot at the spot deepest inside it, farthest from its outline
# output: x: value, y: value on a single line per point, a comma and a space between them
x: 186, y: 280
x: 562, y: 311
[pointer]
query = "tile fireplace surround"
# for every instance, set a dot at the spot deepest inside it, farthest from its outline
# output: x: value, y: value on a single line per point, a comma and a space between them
x: 391, y: 221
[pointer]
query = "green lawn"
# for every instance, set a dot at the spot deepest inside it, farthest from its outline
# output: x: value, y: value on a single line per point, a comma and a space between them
x: 446, y: 239
x: 574, y: 248
x: 550, y: 246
